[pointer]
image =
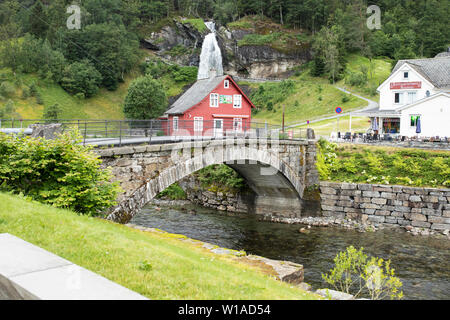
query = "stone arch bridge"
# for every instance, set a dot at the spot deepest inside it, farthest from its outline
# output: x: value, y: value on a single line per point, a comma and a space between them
x: 278, y: 171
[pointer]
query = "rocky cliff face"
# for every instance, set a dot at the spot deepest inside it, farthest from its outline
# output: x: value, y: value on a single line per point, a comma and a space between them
x: 181, y: 43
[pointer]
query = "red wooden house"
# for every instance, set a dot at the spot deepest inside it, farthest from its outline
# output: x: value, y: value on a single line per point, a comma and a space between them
x: 211, y: 107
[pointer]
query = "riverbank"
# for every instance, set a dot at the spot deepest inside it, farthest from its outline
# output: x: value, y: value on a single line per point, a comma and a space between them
x: 156, y: 265
x: 421, y: 262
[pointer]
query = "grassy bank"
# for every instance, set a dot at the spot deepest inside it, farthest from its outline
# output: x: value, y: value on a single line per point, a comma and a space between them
x: 158, y: 266
x: 310, y: 98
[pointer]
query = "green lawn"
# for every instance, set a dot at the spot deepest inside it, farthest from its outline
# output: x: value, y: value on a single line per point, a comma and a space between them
x: 326, y: 127
x: 173, y: 269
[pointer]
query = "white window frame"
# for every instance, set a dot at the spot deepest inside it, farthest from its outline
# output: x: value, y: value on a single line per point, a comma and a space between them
x: 226, y: 84
x: 175, y: 123
x: 237, y: 101
x: 198, y: 124
x: 409, y: 94
x: 237, y: 128
x: 407, y: 73
x: 401, y: 98
x: 214, y: 100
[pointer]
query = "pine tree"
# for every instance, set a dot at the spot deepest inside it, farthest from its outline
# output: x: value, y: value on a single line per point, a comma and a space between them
x: 38, y: 20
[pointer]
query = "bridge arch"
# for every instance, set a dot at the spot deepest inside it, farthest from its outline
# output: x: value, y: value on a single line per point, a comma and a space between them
x: 275, y: 174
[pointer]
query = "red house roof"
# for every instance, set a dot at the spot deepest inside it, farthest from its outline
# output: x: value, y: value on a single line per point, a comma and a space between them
x: 199, y: 91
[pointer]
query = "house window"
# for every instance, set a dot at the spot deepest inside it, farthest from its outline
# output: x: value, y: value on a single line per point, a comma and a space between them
x: 198, y: 124
x: 405, y: 75
x: 237, y: 124
x: 175, y: 123
x: 226, y: 84
x: 237, y: 101
x: 414, y: 119
x: 214, y: 100
x: 398, y: 98
x: 412, y: 97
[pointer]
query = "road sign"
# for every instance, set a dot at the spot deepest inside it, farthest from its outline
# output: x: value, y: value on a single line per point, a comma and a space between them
x: 338, y: 110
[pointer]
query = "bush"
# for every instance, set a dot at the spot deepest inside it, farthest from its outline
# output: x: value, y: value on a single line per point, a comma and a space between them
x: 7, y: 89
x: 173, y: 192
x: 52, y: 112
x: 345, y: 98
x: 355, y: 273
x: 58, y: 172
x: 26, y: 93
x: 81, y: 77
x: 222, y: 177
x: 357, y: 79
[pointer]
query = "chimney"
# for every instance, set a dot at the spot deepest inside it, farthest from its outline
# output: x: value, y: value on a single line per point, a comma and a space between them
x: 212, y: 73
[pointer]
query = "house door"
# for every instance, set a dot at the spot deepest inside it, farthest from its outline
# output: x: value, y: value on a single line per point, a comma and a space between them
x: 218, y: 127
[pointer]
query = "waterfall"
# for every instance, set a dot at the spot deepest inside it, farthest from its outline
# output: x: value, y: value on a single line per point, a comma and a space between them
x: 210, y: 57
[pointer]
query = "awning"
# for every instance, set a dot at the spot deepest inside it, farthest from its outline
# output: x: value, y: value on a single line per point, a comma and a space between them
x: 376, y: 112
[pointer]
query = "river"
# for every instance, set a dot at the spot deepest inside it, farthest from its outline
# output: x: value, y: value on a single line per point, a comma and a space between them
x: 421, y: 263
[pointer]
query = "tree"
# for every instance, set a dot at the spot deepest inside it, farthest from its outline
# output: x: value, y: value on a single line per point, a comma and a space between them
x: 110, y: 48
x: 146, y: 99
x: 81, y: 77
x: 52, y: 112
x: 329, y: 46
x: 38, y: 20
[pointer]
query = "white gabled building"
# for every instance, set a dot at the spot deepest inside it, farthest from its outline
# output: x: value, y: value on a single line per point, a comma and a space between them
x: 416, y: 91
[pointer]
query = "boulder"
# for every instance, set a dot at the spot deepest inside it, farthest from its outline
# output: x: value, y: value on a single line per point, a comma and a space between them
x: 46, y: 131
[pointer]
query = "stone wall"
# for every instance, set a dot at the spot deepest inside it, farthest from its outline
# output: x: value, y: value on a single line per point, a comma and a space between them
x: 222, y: 201
x: 387, y: 205
x: 404, y: 144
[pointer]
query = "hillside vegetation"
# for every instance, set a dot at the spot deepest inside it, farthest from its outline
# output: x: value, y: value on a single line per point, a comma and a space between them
x: 85, y: 73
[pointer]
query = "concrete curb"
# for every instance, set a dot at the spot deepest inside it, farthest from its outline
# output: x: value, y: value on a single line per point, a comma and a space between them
x: 28, y: 272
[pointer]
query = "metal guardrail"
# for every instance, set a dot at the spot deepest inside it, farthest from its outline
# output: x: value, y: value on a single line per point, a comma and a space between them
x: 120, y: 132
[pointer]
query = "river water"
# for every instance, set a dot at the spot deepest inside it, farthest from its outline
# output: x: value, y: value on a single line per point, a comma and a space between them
x: 421, y: 263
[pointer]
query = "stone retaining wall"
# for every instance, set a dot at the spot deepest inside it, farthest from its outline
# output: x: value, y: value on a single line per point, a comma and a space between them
x: 388, y: 205
x: 222, y: 201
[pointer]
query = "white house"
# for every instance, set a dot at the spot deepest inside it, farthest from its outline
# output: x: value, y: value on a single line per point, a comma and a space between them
x: 417, y: 91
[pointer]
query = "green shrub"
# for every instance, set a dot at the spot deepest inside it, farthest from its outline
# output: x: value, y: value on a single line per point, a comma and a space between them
x: 355, y: 273
x: 59, y: 172
x: 173, y: 192
x: 222, y: 177
x: 345, y: 98
x: 26, y: 93
x: 7, y: 89
x: 52, y: 112
x: 357, y: 79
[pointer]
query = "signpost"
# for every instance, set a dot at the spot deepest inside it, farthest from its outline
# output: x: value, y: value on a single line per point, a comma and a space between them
x: 338, y: 111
